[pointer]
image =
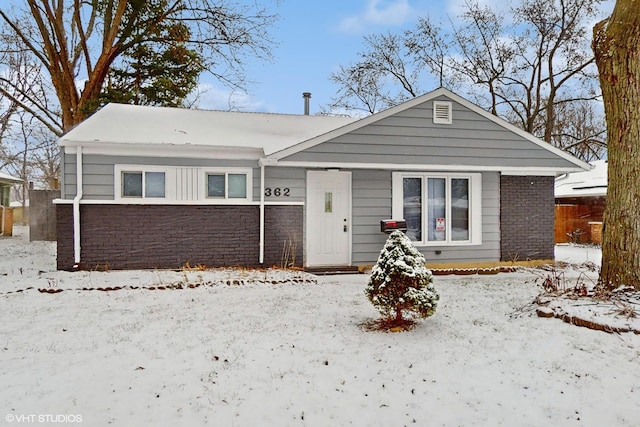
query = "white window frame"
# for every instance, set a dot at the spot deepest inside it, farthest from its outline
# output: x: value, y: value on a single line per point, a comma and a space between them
x: 228, y: 171
x: 475, y: 206
x: 120, y: 169
x: 437, y: 118
x: 173, y: 194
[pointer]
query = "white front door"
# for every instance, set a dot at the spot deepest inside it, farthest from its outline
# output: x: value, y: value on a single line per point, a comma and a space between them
x: 328, y: 218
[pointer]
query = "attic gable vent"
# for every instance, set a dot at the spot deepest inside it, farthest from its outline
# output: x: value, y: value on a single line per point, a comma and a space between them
x: 442, y: 112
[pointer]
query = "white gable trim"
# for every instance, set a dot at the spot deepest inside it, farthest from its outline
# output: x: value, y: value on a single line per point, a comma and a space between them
x: 420, y: 100
x: 513, y: 170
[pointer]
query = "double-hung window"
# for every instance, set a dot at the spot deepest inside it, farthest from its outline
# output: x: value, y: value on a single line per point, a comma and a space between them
x: 143, y: 184
x: 440, y: 209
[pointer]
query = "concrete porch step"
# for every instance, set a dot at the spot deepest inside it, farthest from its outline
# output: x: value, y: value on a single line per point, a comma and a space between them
x: 329, y: 270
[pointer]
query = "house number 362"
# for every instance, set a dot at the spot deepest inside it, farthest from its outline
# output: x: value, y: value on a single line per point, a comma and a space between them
x: 277, y: 192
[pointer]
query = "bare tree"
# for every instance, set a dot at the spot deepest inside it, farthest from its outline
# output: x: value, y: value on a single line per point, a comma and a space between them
x: 579, y: 130
x: 485, y: 56
x: 372, y: 82
x: 616, y: 43
x: 78, y: 40
x: 554, y: 64
x: 428, y: 48
x: 31, y: 152
x: 523, y: 67
x: 27, y: 85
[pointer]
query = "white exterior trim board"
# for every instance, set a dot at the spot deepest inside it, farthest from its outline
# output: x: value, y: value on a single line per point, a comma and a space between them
x: 169, y: 150
x: 538, y: 171
x: 171, y: 202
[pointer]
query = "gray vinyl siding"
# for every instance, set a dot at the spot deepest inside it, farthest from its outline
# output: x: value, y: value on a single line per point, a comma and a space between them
x: 371, y: 202
x: 411, y: 137
x: 371, y: 199
x: 98, y: 172
x: 292, y: 179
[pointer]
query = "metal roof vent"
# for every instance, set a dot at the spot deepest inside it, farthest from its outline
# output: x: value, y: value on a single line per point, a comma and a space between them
x: 442, y: 112
x: 307, y: 98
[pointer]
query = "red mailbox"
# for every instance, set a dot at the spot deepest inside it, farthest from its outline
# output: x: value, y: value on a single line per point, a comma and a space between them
x: 390, y: 225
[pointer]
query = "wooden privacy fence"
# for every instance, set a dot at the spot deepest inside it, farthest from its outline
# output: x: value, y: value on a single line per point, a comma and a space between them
x: 42, y: 214
x: 576, y: 223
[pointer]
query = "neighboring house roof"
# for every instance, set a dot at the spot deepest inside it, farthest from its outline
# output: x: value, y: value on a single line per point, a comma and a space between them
x: 17, y: 204
x: 132, y: 124
x: 8, y: 179
x: 591, y: 183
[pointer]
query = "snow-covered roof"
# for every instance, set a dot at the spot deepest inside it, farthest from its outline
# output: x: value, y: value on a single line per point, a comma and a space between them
x: 133, y: 124
x: 591, y: 183
x: 18, y: 204
x: 119, y: 129
x: 8, y: 179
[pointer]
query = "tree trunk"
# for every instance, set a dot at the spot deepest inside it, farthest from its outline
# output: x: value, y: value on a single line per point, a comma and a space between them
x: 616, y: 46
x: 398, y: 319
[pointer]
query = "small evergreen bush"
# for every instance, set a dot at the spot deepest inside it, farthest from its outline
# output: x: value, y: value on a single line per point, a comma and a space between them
x: 400, y: 282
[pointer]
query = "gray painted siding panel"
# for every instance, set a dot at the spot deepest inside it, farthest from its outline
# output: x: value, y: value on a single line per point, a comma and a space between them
x: 428, y: 151
x: 98, y: 179
x: 430, y: 158
x: 165, y: 161
x: 372, y: 202
x: 68, y: 184
x: 411, y: 137
x: 291, y: 179
x: 490, y: 248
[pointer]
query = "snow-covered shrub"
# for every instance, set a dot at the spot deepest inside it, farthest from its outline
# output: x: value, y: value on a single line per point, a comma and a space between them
x: 400, y: 282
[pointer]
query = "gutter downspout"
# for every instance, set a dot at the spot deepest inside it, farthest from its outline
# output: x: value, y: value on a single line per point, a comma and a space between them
x: 261, y: 259
x: 263, y: 162
x: 76, y: 209
x: 2, y: 229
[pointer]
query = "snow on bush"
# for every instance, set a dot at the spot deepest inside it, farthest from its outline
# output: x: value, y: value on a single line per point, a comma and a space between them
x: 400, y: 282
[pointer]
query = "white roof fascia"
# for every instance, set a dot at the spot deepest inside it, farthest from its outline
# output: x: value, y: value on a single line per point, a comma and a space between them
x: 592, y: 193
x: 165, y: 150
x: 417, y: 101
x: 537, y: 171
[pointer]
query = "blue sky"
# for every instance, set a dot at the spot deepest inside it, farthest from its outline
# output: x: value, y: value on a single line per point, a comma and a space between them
x: 315, y: 37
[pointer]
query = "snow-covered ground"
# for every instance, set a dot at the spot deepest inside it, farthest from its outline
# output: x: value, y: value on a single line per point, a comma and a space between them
x: 578, y: 254
x: 294, y: 353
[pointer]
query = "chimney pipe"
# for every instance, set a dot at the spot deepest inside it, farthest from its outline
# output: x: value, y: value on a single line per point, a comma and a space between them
x: 307, y: 97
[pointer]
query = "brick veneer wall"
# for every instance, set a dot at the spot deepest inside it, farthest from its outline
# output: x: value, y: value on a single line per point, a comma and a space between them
x: 170, y: 236
x: 526, y: 217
